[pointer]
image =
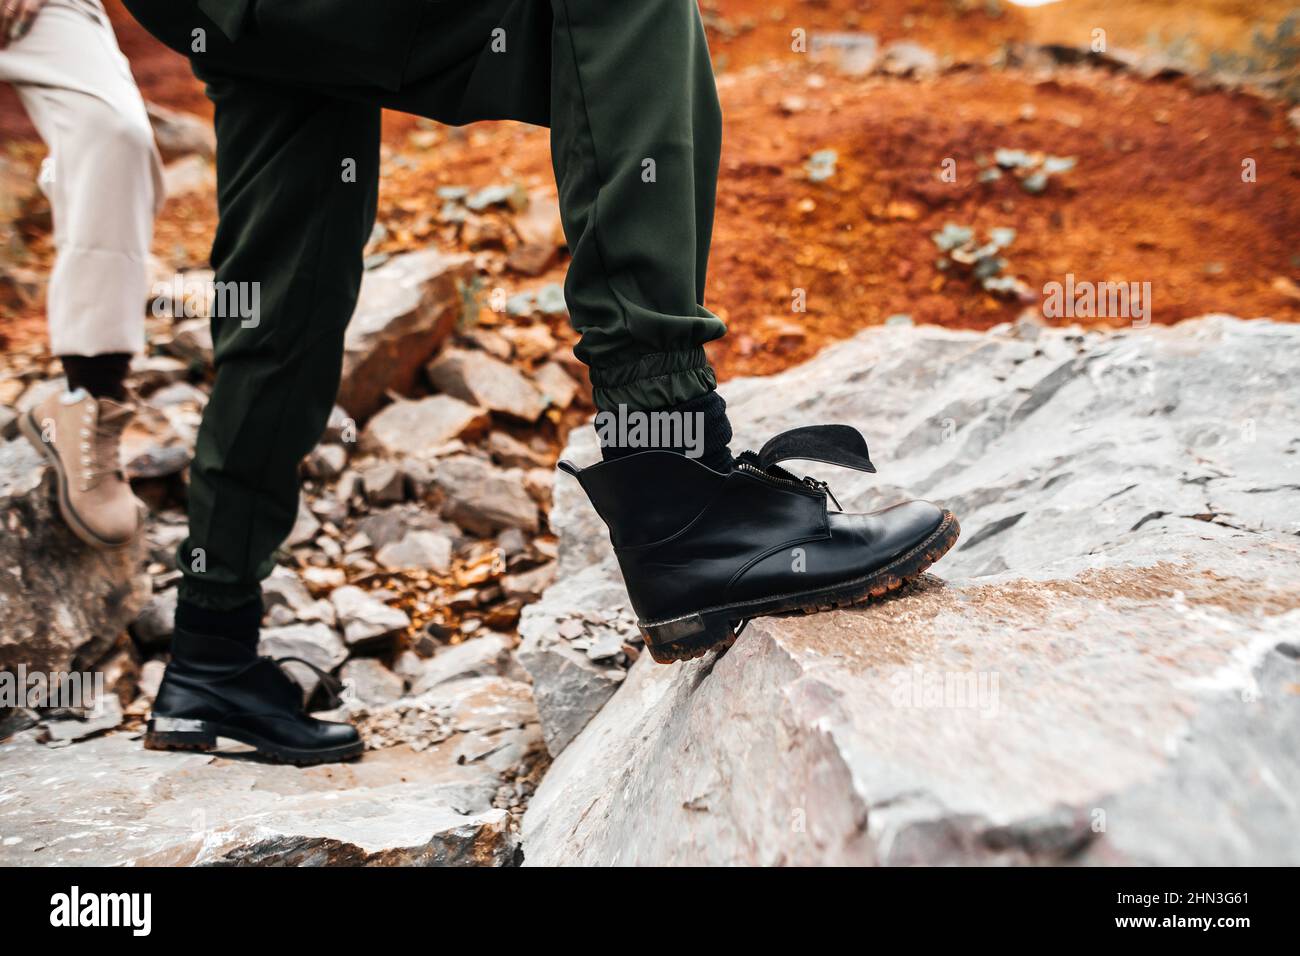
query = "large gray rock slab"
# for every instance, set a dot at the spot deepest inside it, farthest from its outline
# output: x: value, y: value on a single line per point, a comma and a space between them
x: 406, y: 309
x: 1103, y: 671
x: 117, y: 804
x: 62, y: 604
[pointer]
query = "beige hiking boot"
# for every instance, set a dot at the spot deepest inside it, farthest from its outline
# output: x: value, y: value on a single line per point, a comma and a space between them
x: 82, y: 438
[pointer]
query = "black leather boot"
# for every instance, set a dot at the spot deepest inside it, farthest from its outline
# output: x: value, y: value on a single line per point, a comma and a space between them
x: 215, y: 687
x: 702, y: 552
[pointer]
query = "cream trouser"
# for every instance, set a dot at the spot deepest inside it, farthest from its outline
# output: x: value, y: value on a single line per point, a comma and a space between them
x: 103, y: 176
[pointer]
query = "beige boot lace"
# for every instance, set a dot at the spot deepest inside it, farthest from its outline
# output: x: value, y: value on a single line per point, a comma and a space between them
x: 99, y: 441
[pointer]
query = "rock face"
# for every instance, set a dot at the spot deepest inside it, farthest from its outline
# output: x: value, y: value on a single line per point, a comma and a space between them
x: 396, y: 807
x: 569, y: 686
x: 407, y: 307
x: 1114, y: 636
x: 62, y: 604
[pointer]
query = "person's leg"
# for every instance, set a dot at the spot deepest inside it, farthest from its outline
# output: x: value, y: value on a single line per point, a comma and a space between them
x: 297, y: 179
x: 103, y: 178
x: 628, y: 92
x: 635, y: 138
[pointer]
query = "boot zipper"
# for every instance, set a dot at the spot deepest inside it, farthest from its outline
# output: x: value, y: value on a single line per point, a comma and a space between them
x: 810, y: 483
x: 822, y: 486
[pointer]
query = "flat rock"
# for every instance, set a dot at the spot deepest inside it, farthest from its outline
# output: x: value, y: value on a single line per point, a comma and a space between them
x: 105, y: 715
x: 1113, y: 636
x: 487, y: 704
x: 480, y: 379
x: 317, y: 642
x: 486, y: 656
x: 365, y: 618
x: 423, y: 427
x: 533, y: 341
x: 383, y: 482
x: 392, y: 524
x: 510, y: 452
x: 326, y: 461
x: 484, y: 499
x: 393, y: 808
x: 557, y: 385
x: 422, y: 550
x: 151, y: 372
x: 531, y: 259
x: 369, y: 682
x: 539, y: 224
x: 62, y: 604
x: 407, y: 308
x: 283, y: 586
x: 529, y: 585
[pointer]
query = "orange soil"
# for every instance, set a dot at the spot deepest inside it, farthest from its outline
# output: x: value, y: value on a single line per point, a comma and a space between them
x: 1157, y: 194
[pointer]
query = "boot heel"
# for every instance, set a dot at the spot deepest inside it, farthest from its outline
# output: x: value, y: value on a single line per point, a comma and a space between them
x: 686, y: 638
x: 179, y: 733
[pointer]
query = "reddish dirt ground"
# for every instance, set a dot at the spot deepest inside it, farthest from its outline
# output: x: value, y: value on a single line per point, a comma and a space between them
x: 1156, y: 196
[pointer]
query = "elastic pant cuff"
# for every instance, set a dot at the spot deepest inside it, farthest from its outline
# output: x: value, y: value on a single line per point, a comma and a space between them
x: 218, y: 597
x: 654, y: 381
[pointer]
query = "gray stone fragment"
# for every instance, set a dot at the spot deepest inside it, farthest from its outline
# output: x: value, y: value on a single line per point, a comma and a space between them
x: 317, y: 643
x: 153, y: 626
x: 422, y: 550
x: 383, y: 483
x: 364, y: 618
x: 368, y: 682
x: 484, y: 656
x: 326, y: 461
x: 106, y: 715
x: 423, y: 427
x: 484, y: 499
x: 488, y: 382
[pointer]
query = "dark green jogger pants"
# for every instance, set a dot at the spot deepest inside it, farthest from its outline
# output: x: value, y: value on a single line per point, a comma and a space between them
x: 627, y: 89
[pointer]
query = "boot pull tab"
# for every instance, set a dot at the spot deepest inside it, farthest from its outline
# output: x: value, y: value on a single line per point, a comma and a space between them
x: 833, y: 444
x: 569, y: 468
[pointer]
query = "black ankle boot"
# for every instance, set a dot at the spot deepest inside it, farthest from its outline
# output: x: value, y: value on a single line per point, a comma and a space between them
x: 215, y: 687
x: 702, y: 552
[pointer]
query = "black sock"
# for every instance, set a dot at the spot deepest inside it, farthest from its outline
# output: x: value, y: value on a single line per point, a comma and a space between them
x: 103, y: 376
x: 716, y: 433
x: 237, y: 624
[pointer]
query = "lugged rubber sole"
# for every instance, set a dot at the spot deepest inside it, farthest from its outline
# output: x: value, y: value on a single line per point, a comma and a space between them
x: 694, y: 635
x: 180, y: 733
